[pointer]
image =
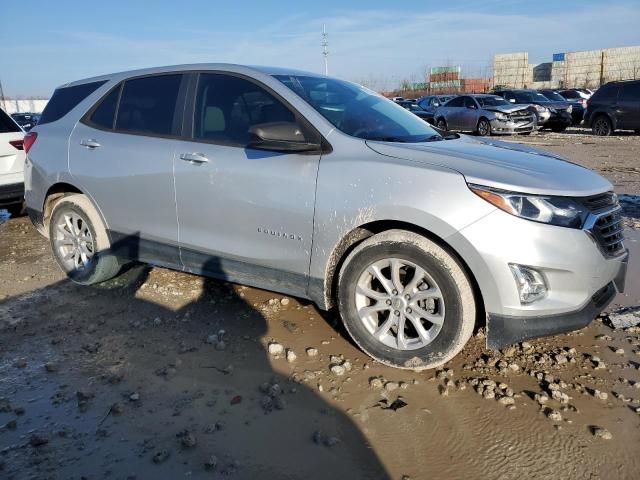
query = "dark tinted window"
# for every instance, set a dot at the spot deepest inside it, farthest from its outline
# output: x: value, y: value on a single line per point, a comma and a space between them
x: 147, y: 105
x: 7, y: 124
x: 455, y: 102
x: 227, y: 106
x: 630, y: 92
x: 104, y: 114
x: 492, y: 101
x: 469, y: 102
x: 570, y: 94
x: 65, y: 99
x: 606, y: 93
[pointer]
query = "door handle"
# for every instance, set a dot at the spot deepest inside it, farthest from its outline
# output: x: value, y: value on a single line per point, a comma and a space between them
x: 89, y: 143
x: 196, y: 158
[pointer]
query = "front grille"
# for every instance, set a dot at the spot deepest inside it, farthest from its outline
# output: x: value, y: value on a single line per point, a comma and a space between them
x: 599, y: 202
x: 607, y: 231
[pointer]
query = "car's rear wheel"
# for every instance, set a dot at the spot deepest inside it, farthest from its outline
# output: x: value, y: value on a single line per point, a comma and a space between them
x: 484, y: 127
x: 442, y: 124
x: 405, y: 300
x: 602, y: 126
x: 79, y: 241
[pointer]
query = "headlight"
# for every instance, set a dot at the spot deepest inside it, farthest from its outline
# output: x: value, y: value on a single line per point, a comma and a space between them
x: 540, y: 108
x: 502, y: 116
x: 570, y: 109
x: 561, y: 211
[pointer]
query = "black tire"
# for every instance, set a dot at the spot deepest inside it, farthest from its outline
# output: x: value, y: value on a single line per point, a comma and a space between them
x: 442, y: 124
x: 483, y: 128
x: 637, y: 131
x: 102, y: 265
x: 559, y: 129
x: 449, y: 276
x: 601, y: 126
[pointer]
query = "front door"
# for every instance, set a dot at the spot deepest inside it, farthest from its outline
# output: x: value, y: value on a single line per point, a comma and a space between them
x: 628, y: 108
x: 125, y: 165
x: 244, y: 214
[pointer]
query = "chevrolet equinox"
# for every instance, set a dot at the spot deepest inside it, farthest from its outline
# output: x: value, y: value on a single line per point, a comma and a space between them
x: 322, y: 189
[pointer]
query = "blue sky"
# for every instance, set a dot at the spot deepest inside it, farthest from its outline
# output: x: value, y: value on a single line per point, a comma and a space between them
x: 45, y: 43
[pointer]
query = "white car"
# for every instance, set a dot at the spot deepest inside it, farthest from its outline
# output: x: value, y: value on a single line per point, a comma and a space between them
x: 12, y: 158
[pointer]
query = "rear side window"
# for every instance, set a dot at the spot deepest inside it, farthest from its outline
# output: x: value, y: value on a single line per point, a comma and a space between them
x: 571, y: 94
x: 65, y: 99
x: 606, y: 93
x: 147, y: 105
x: 7, y: 125
x: 455, y: 102
x: 630, y: 92
x: 105, y: 113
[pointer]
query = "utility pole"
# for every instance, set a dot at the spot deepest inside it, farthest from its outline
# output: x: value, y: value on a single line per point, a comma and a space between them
x: 325, y: 48
x: 2, y: 104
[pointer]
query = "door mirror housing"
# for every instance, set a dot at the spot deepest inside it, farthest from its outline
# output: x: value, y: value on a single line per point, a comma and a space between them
x: 280, y: 136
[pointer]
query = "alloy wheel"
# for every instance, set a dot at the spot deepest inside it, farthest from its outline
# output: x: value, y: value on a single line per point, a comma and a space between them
x: 73, y: 241
x: 399, y: 304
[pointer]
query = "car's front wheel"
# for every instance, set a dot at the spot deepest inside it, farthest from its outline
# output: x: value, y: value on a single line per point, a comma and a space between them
x: 405, y: 300
x: 484, y: 127
x: 442, y: 124
x: 79, y: 241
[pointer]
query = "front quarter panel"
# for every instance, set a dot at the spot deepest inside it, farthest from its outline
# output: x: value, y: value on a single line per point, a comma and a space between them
x: 357, y: 186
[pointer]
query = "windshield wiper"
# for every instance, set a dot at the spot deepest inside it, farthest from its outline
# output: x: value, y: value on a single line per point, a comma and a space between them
x: 387, y: 139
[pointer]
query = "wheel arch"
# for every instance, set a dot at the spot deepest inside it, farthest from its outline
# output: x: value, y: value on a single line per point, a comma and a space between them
x: 354, y: 237
x: 608, y: 115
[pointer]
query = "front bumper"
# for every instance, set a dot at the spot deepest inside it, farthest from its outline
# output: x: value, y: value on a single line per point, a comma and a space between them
x: 574, y: 268
x: 510, y: 127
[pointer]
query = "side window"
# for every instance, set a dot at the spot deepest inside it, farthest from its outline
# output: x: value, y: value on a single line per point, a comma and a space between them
x: 470, y: 102
x: 66, y: 99
x: 7, y: 124
x: 228, y: 106
x: 510, y: 97
x: 606, y: 93
x: 105, y: 113
x: 455, y: 102
x: 148, y: 104
x: 630, y: 92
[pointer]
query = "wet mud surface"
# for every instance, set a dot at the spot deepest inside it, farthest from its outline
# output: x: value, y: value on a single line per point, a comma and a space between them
x: 165, y: 375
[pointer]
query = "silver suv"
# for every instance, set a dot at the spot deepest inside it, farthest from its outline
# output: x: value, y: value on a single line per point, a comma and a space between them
x: 322, y: 189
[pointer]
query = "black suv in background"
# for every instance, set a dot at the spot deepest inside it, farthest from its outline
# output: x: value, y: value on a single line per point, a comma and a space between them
x: 549, y: 114
x: 615, y: 105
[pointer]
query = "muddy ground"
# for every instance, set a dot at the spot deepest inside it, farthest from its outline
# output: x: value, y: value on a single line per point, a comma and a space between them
x: 166, y: 375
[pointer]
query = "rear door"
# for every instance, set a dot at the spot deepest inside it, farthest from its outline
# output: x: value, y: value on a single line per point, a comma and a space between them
x: 11, y: 155
x: 453, y: 110
x: 628, y: 110
x: 244, y: 214
x: 469, y: 116
x: 121, y: 154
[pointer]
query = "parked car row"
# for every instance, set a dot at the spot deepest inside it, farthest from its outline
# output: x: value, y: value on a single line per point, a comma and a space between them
x: 26, y: 120
x: 616, y: 105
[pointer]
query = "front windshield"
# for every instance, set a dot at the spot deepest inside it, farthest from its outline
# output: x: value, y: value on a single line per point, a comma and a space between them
x: 492, y: 101
x: 530, y: 97
x: 358, y: 111
x: 554, y: 96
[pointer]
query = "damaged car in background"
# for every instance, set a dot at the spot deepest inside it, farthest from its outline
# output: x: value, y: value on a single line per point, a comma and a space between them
x: 555, y: 115
x: 322, y: 189
x: 485, y: 115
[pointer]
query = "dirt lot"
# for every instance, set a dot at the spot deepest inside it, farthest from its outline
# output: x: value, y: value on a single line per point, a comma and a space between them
x: 165, y: 375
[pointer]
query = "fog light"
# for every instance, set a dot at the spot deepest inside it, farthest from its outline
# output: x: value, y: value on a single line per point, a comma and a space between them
x: 530, y: 283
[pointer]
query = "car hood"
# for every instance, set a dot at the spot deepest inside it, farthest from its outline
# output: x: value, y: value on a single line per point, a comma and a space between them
x: 505, y: 108
x: 503, y: 165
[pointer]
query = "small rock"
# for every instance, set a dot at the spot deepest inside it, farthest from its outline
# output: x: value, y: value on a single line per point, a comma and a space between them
x: 376, y: 383
x: 161, y: 456
x: 600, y: 395
x: 187, y: 439
x: 51, y: 367
x: 275, y: 349
x: 338, y: 370
x: 221, y: 345
x: 506, y: 400
x: 211, y: 463
x: 312, y: 352
x: 554, y: 415
x: 291, y: 356
x: 601, y: 433
x: 391, y: 386
x: 134, y: 397
x: 284, y: 302
x: 38, y: 439
x: 619, y: 351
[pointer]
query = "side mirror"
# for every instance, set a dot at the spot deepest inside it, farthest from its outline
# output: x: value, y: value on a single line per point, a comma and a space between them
x: 280, y: 136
